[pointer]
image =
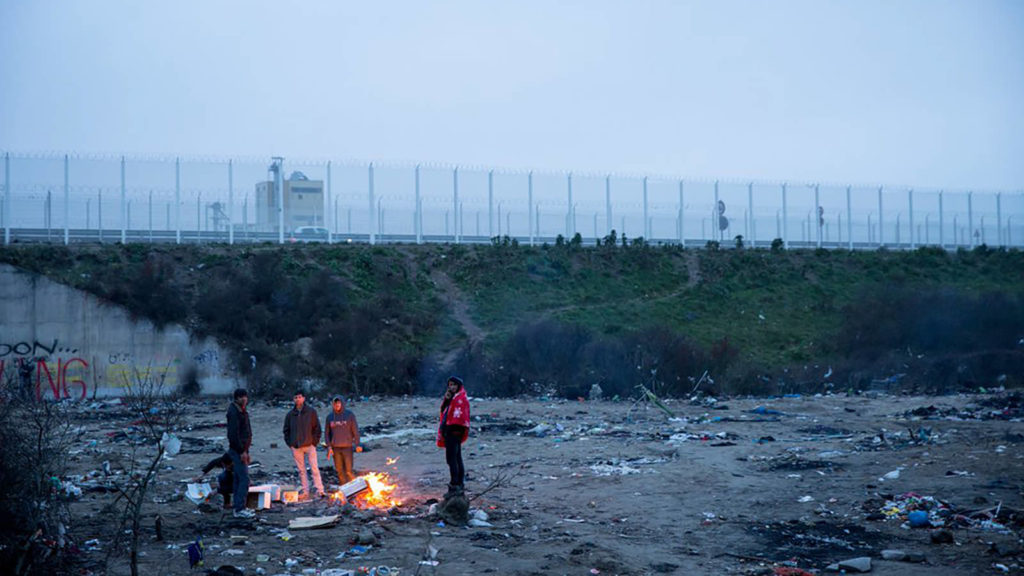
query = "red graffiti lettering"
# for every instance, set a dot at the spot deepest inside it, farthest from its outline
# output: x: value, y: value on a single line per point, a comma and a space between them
x: 41, y: 365
x: 60, y: 387
x: 78, y: 381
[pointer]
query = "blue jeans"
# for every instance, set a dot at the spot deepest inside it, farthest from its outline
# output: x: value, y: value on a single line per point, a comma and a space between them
x: 240, y: 486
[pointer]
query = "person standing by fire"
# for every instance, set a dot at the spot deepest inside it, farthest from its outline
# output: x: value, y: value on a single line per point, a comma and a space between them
x: 453, y: 431
x: 239, y: 441
x: 302, y: 434
x: 342, y: 437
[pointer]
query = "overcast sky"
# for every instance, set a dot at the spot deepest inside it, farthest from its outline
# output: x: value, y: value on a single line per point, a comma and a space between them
x: 915, y: 92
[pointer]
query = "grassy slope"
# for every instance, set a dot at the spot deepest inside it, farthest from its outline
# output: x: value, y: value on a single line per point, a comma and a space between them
x: 799, y: 294
x: 777, y: 309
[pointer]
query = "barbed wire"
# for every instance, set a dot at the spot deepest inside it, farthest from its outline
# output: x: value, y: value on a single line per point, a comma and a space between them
x: 653, y: 178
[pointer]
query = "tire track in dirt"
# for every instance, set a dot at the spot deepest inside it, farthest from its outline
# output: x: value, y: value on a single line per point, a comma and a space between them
x: 459, y: 307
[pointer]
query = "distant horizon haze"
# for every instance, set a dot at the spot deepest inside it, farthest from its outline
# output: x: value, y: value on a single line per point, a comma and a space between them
x: 916, y: 93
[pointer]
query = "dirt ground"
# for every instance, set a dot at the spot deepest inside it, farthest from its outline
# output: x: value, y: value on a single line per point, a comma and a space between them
x: 744, y: 486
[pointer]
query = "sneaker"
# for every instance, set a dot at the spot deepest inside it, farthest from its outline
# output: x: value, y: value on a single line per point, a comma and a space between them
x: 246, y: 513
x: 321, y: 495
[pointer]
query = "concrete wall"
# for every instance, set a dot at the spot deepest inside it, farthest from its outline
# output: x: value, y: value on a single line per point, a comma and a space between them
x: 79, y: 346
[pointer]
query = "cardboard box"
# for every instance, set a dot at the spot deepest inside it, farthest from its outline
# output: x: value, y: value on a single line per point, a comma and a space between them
x: 273, y: 489
x: 258, y: 500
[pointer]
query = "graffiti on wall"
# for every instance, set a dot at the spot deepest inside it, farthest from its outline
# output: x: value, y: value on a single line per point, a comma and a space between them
x: 47, y: 370
x: 64, y: 378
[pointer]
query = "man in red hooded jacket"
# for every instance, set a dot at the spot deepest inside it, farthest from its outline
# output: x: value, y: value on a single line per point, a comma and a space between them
x: 453, y: 431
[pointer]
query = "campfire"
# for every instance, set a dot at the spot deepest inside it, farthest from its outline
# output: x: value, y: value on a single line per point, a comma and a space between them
x: 371, y: 490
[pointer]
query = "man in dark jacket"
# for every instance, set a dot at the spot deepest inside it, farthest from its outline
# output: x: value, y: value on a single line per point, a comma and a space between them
x: 302, y: 434
x: 342, y: 437
x: 239, y: 440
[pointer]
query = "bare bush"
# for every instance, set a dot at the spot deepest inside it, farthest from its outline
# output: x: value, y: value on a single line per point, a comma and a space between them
x: 35, y: 437
x: 157, y: 415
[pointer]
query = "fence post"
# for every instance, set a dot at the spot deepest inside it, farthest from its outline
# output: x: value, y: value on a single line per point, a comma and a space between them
x: 67, y: 201
x: 419, y: 208
x: 124, y: 206
x: 717, y: 215
x: 199, y: 217
x: 529, y: 208
x: 881, y: 219
x: 373, y: 209
x: 455, y: 204
x: 682, y: 238
x: 750, y: 211
x: 278, y: 167
x: 849, y: 219
x: 7, y: 198
x: 327, y: 204
x: 818, y: 214
x: 490, y: 204
x: 999, y: 219
x: 785, y: 218
x: 568, y: 207
x: 231, y: 198
x: 608, y: 203
x: 177, y: 201
x: 646, y: 228
x: 910, y: 208
x: 942, y: 239
x: 970, y: 218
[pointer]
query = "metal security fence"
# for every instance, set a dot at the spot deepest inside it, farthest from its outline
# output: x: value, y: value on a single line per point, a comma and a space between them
x: 75, y: 198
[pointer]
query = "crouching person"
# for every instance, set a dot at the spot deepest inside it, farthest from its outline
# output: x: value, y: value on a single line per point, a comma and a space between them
x: 225, y: 480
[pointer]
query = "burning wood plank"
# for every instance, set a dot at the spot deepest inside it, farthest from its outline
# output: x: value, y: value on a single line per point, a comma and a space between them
x: 354, y: 487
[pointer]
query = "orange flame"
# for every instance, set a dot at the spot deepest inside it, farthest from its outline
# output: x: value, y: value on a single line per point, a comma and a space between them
x: 379, y: 494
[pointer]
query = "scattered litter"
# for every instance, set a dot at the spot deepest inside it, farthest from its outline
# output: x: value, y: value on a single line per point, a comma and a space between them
x: 790, y: 571
x: 862, y: 564
x: 195, y: 553
x: 1009, y: 407
x: 903, y: 505
x: 613, y: 468
x: 308, y: 522
x: 399, y: 434
x: 198, y: 493
x: 890, y: 476
x: 171, y: 444
x: 918, y: 519
x: 806, y: 499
